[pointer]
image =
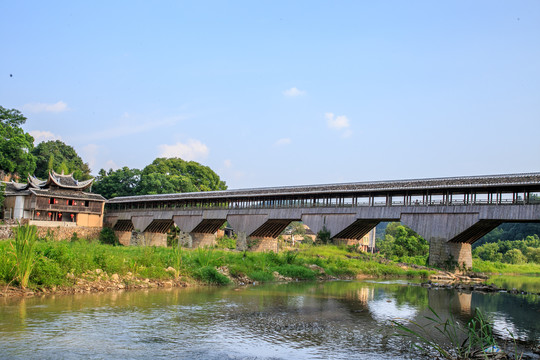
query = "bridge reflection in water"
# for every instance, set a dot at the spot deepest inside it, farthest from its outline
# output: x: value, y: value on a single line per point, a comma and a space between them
x: 450, y: 213
x: 300, y: 320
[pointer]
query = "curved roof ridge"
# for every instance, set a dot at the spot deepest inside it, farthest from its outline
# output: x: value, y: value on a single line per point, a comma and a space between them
x: 67, y: 181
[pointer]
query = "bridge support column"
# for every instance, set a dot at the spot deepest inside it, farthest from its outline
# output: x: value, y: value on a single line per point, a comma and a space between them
x: 241, y: 241
x: 124, y: 237
x: 185, y: 239
x: 442, y: 252
x: 449, y: 235
x: 148, y: 239
x: 202, y: 239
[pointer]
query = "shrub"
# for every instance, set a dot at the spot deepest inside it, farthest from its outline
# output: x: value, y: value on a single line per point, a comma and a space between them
x: 107, y: 236
x: 296, y: 272
x: 210, y: 275
x: 48, y: 273
x: 289, y: 257
x: 226, y: 243
x: 514, y: 256
x: 261, y: 276
x: 323, y: 236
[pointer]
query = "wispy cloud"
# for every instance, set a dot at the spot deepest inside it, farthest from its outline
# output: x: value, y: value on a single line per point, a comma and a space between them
x: 283, y: 141
x: 339, y: 123
x: 227, y: 163
x: 192, y: 150
x: 336, y: 122
x: 41, y: 136
x: 44, y: 107
x: 293, y: 92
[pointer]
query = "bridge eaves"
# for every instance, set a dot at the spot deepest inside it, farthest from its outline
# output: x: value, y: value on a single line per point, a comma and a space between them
x: 509, y: 181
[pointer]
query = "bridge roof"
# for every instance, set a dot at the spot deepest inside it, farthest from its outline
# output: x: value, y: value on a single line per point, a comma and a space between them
x: 509, y: 181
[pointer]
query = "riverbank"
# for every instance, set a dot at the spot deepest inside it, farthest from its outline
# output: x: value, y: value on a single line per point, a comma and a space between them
x: 88, y: 266
x: 82, y: 266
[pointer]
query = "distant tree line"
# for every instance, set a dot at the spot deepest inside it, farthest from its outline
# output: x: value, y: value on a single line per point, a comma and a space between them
x: 509, y: 231
x: 511, y: 252
x: 19, y: 157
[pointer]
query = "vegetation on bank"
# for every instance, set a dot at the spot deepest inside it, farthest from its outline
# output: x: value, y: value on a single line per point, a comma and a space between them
x: 453, y: 340
x: 502, y: 268
x: 511, y: 252
x: 61, y: 263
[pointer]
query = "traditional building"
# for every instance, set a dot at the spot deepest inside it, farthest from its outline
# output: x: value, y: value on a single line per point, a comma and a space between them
x: 60, y: 200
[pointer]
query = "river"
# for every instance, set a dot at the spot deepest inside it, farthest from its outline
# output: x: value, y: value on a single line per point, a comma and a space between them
x: 299, y: 320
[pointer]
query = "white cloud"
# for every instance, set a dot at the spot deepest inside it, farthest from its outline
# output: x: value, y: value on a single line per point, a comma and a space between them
x: 43, y: 107
x: 41, y: 136
x: 192, y: 150
x: 292, y: 92
x: 337, y: 122
x: 227, y: 163
x: 110, y: 164
x: 283, y: 141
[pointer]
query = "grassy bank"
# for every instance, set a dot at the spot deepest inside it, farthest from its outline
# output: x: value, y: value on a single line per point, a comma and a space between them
x: 63, y: 264
x: 504, y: 268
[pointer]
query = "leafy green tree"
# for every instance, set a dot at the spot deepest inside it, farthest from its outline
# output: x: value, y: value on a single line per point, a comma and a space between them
x: 121, y: 182
x: 489, y: 252
x: 174, y: 175
x: 58, y: 156
x: 400, y: 241
x: 509, y: 231
x: 514, y: 256
x: 15, y: 145
x: 532, y: 254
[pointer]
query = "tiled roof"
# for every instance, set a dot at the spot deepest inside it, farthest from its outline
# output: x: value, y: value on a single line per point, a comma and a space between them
x: 67, y: 181
x: 492, y: 181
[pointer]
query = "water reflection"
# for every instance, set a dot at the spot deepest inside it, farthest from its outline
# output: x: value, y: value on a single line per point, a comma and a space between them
x: 339, y: 320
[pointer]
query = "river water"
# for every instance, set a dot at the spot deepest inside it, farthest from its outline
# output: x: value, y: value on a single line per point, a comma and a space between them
x: 301, y: 320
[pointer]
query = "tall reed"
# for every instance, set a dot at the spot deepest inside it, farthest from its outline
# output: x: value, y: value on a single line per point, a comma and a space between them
x: 25, y: 239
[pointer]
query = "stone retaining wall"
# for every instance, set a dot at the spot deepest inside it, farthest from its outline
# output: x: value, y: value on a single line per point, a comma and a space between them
x: 56, y: 233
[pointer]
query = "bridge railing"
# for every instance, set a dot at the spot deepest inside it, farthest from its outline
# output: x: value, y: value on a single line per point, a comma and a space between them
x: 317, y: 204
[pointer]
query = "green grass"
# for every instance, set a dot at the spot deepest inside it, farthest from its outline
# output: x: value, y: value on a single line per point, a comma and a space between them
x: 55, y: 261
x: 503, y: 268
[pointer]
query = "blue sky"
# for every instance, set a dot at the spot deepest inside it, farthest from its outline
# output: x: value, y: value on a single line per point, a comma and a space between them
x: 271, y: 93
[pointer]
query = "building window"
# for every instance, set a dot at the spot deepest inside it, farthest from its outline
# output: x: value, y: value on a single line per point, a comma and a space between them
x: 86, y: 203
x: 52, y: 201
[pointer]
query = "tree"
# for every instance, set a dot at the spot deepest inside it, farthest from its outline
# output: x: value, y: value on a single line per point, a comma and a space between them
x: 489, y: 252
x: 514, y: 256
x: 58, y: 156
x: 402, y: 241
x: 174, y: 175
x: 15, y: 145
x: 121, y: 182
x: 509, y: 231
